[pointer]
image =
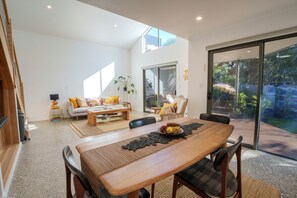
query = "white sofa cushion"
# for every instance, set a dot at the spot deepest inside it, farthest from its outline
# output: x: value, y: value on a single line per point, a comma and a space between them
x: 81, y: 110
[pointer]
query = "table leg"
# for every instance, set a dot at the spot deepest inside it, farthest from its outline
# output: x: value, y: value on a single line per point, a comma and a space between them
x: 128, y: 115
x: 92, y: 119
x: 134, y: 194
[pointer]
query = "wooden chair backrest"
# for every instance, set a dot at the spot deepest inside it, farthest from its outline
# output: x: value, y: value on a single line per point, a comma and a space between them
x: 222, y: 161
x: 81, y: 183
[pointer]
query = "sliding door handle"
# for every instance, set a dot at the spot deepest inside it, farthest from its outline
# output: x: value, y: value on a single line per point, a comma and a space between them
x: 209, y: 95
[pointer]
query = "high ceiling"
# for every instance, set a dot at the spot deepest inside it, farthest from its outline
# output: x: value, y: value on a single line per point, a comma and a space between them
x: 75, y: 20
x: 179, y: 17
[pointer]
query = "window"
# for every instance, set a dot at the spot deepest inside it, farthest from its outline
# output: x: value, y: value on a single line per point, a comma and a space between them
x: 155, y: 38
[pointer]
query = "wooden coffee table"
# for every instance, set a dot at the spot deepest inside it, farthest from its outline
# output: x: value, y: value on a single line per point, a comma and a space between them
x: 92, y: 114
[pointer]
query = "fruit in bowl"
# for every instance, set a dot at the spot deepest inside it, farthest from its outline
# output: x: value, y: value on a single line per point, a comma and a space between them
x: 171, y: 129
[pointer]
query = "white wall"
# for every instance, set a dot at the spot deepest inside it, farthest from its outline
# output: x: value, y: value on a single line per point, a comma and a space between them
x: 55, y: 65
x: 198, y: 55
x: 177, y: 52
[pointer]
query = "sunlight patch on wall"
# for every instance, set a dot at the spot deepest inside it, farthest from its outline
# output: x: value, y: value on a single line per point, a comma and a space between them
x: 92, y: 86
x: 98, y: 82
x: 107, y: 74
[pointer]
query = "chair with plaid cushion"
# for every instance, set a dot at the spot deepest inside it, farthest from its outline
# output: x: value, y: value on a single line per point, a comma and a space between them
x: 207, y: 178
x: 215, y: 118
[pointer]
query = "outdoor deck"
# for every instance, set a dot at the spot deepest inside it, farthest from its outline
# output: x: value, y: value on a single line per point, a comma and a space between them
x: 272, y: 139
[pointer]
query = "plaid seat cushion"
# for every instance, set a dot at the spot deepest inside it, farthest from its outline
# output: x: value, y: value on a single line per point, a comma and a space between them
x: 203, y: 176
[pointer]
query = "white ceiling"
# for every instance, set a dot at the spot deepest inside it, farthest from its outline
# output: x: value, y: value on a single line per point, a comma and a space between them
x: 75, y: 20
x: 179, y: 16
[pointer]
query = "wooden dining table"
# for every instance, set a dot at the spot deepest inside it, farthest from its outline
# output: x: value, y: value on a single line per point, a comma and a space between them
x: 122, y: 171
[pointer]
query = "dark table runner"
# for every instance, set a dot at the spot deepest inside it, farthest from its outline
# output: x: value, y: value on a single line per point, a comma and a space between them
x: 153, y: 138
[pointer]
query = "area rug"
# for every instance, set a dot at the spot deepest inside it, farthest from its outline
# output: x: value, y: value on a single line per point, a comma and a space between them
x: 250, y: 188
x: 83, y: 129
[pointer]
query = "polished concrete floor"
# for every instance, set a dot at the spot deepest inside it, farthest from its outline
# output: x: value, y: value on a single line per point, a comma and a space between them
x: 40, y: 168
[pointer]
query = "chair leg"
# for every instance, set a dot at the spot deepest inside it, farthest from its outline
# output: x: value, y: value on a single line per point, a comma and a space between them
x: 68, y: 183
x: 212, y: 156
x: 153, y: 190
x: 175, y: 186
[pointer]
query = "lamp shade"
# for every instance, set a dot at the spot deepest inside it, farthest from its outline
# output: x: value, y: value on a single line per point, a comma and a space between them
x: 54, y: 96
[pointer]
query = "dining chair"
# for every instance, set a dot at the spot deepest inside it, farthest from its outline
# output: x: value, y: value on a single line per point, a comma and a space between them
x: 82, y: 186
x: 213, y: 178
x: 141, y: 122
x: 81, y: 183
x: 214, y: 118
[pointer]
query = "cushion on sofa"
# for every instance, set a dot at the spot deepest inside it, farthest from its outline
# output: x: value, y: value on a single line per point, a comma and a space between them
x: 112, y: 100
x: 74, y: 102
x: 93, y: 102
x: 81, y: 102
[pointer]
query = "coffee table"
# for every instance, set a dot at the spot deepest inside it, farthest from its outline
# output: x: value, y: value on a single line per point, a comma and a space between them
x: 92, y: 114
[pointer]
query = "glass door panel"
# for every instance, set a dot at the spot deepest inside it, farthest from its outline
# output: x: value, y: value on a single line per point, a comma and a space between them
x: 151, y: 88
x: 160, y: 86
x: 278, y: 113
x: 234, y: 89
x: 167, y: 84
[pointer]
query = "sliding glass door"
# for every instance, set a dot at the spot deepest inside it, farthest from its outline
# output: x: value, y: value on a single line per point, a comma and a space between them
x: 278, y: 126
x: 255, y: 84
x: 159, y: 86
x: 234, y: 89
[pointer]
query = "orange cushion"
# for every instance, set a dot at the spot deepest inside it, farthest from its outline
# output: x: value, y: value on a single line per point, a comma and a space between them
x: 74, y: 102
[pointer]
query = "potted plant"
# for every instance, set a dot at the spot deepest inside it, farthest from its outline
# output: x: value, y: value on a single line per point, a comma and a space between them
x: 125, y: 84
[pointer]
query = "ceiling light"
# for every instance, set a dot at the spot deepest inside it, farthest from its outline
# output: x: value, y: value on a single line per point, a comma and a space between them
x: 115, y: 25
x: 248, y: 51
x: 199, y: 18
x: 49, y: 6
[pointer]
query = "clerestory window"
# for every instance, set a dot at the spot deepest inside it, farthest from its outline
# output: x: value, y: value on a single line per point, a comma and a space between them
x: 155, y: 38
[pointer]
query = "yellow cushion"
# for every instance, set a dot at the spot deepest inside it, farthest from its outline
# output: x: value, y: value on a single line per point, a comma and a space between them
x: 168, y: 108
x: 116, y: 100
x: 74, y: 102
x: 109, y: 100
x: 112, y: 100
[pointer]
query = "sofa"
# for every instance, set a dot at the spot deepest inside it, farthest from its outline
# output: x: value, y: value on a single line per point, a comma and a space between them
x: 83, y: 111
